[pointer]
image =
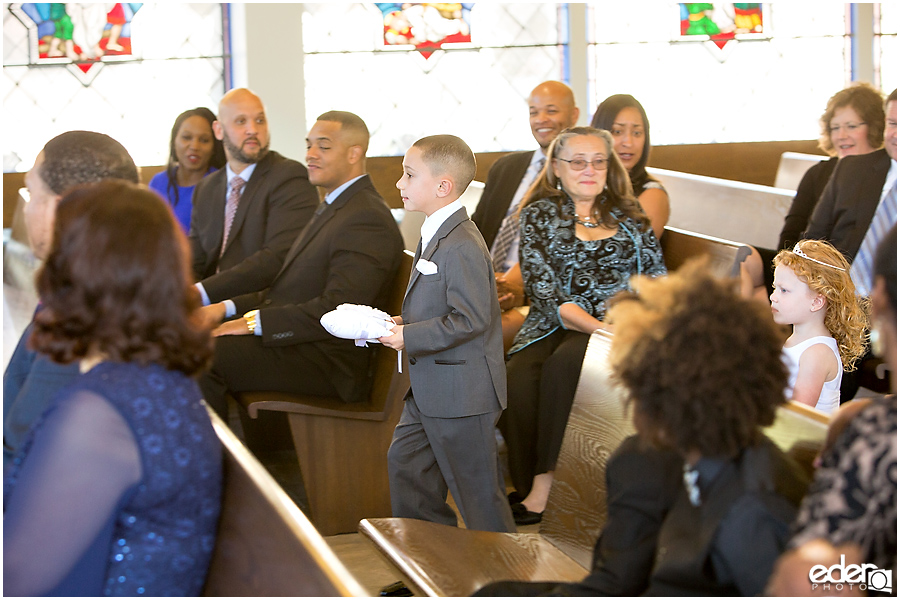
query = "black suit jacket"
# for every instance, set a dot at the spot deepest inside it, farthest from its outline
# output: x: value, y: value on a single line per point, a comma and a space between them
x: 348, y: 253
x: 502, y: 182
x: 847, y: 205
x: 276, y: 204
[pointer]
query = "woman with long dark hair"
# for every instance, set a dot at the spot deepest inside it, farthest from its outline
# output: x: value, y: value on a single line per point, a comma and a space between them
x: 624, y: 117
x: 194, y: 153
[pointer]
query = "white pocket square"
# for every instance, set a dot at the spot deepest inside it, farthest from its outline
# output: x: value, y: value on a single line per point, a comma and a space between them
x: 426, y: 267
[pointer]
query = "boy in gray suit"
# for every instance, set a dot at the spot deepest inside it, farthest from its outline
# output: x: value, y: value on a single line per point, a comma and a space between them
x: 450, y: 328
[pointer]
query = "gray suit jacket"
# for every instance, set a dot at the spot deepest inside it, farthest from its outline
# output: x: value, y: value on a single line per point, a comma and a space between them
x: 452, y: 326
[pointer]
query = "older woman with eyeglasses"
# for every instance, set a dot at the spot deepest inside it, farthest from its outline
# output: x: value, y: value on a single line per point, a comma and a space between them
x: 583, y: 236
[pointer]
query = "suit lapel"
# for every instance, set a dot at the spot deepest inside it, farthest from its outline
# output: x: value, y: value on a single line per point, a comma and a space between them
x: 248, y: 197
x: 442, y: 232
x: 324, y: 213
x: 217, y: 215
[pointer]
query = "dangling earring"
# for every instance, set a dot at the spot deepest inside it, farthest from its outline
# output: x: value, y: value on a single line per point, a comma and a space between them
x: 559, y: 185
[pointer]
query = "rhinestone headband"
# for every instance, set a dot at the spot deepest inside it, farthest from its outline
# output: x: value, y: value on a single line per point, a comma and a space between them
x: 801, y: 254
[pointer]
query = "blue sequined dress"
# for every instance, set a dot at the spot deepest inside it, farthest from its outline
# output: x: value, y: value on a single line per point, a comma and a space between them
x: 117, y: 490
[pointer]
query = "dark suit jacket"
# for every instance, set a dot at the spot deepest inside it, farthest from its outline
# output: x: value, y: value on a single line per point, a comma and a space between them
x: 808, y: 193
x: 502, y: 182
x: 30, y: 384
x: 847, y: 205
x: 349, y: 253
x: 276, y: 204
x: 452, y: 326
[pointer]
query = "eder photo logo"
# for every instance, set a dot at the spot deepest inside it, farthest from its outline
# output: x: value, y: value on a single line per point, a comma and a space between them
x: 864, y: 577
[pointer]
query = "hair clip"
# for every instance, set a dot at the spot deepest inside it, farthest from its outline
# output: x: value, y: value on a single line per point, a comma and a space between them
x: 801, y: 254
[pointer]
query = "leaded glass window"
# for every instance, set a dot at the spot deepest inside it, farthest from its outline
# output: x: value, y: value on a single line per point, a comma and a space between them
x: 475, y: 89
x: 173, y: 58
x: 771, y: 85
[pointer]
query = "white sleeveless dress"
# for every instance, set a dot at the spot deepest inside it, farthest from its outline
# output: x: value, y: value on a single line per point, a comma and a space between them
x: 830, y: 396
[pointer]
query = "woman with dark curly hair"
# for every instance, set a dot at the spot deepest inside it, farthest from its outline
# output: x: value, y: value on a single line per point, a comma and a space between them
x: 117, y: 489
x: 853, y: 123
x: 194, y: 153
x: 583, y: 235
x: 704, y: 372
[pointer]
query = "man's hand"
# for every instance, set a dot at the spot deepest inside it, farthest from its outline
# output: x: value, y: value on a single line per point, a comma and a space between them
x: 235, y: 327
x: 394, y: 340
x: 213, y: 314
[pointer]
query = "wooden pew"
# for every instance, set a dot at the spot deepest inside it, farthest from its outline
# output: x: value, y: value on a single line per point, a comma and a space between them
x: 265, y: 545
x: 725, y: 257
x: 437, y: 560
x: 342, y: 448
x: 743, y: 212
x: 793, y: 166
x: 446, y: 561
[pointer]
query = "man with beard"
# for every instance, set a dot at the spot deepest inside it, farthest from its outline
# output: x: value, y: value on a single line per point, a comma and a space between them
x: 247, y: 215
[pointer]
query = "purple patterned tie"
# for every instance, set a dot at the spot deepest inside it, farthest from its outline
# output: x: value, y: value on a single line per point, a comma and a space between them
x: 231, y: 205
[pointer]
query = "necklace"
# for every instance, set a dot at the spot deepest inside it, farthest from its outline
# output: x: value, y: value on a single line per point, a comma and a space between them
x: 586, y: 222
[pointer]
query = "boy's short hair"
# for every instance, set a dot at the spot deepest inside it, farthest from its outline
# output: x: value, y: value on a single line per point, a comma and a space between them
x: 448, y: 155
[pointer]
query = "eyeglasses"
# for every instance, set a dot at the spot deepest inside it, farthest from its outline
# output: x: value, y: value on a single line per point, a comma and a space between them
x: 850, y: 127
x: 579, y: 164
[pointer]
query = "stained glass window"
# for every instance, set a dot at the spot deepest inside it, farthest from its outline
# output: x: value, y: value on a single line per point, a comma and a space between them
x: 122, y: 69
x: 770, y: 84
x: 461, y: 87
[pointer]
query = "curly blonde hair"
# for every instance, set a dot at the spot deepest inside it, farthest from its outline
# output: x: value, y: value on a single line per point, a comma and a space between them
x: 846, y: 314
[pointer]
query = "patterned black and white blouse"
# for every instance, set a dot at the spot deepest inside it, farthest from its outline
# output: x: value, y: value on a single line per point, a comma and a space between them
x: 558, y: 268
x: 853, y: 497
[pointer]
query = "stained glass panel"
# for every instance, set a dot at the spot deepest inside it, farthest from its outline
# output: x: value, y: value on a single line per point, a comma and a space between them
x: 177, y: 61
x: 402, y: 95
x: 698, y: 92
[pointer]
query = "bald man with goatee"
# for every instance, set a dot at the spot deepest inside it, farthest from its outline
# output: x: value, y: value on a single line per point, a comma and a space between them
x: 247, y: 215
x: 551, y: 108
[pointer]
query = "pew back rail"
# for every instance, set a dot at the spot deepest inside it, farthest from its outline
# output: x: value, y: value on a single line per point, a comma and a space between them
x: 265, y: 545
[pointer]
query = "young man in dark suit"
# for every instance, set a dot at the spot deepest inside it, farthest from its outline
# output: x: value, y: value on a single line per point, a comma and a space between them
x: 31, y: 380
x: 551, y: 108
x: 246, y: 216
x: 348, y: 253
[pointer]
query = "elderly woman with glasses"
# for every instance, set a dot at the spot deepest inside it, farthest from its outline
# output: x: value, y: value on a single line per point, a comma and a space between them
x: 583, y: 236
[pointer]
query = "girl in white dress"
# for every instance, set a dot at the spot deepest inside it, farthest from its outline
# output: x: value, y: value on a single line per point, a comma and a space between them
x: 815, y: 295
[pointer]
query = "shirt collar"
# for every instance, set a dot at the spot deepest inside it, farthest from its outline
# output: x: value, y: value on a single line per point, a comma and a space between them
x: 329, y: 198
x: 246, y: 174
x: 437, y: 218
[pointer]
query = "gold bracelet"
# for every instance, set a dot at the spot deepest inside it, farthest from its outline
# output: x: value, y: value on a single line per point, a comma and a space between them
x: 250, y: 319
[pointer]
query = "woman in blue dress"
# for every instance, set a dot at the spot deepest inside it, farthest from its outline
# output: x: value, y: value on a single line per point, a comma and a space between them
x: 583, y: 236
x: 117, y: 489
x: 194, y: 153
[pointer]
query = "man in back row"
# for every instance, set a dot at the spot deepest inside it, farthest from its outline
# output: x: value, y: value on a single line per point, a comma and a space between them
x: 247, y: 215
x: 31, y: 380
x: 551, y: 108
x: 348, y: 253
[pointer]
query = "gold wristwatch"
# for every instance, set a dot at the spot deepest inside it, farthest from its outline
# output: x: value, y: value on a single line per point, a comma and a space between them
x: 250, y: 319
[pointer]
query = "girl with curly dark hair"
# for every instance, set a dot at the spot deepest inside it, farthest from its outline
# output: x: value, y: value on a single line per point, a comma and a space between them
x: 117, y: 489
